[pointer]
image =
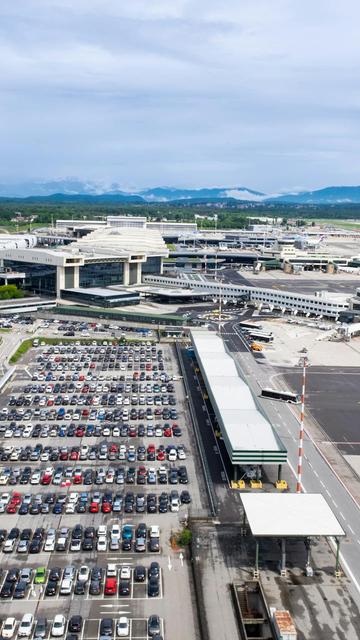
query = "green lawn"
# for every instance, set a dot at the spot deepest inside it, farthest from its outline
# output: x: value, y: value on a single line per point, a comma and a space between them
x: 343, y: 224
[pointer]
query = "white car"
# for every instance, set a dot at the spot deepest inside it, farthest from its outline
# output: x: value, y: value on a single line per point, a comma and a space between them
x: 49, y: 544
x: 58, y: 626
x: 101, y: 544
x: 9, y: 546
x: 181, y: 454
x: 8, y: 628
x: 115, y: 531
x: 75, y: 545
x: 26, y: 626
x: 111, y: 571
x: 70, y: 508
x: 123, y: 627
x: 35, y: 478
x: 65, y: 590
x: 172, y: 455
x: 102, y: 530
x: 83, y: 574
x: 125, y: 573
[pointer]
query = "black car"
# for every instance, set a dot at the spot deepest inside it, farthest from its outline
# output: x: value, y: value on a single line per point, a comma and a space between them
x: 153, y: 588
x: 124, y: 587
x: 95, y: 588
x: 153, y: 625
x: 154, y: 570
x: 26, y: 534
x: 141, y: 530
x: 12, y: 575
x: 7, y: 590
x: 55, y: 574
x: 39, y: 533
x: 77, y: 532
x: 75, y: 624
x: 35, y: 546
x: 14, y: 533
x: 97, y: 573
x: 51, y: 588
x: 139, y: 573
x: 20, y: 590
x: 185, y: 497
x: 88, y: 544
x: 24, y: 510
x: 79, y: 589
x: 106, y: 627
x: 40, y: 630
x: 3, y: 534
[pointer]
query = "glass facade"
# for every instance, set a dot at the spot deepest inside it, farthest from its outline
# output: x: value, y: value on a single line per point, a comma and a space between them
x: 39, y: 278
x: 152, y: 265
x: 101, y: 274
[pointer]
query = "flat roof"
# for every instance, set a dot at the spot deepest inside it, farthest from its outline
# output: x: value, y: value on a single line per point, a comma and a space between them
x: 98, y: 291
x: 288, y: 515
x: 248, y: 435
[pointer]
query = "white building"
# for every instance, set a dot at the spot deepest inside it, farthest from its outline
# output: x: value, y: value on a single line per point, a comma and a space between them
x: 322, y: 303
x: 105, y: 256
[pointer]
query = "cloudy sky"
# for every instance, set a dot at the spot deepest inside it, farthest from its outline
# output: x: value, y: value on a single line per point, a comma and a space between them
x: 262, y: 93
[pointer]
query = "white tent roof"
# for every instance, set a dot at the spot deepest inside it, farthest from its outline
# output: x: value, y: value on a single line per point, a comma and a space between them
x: 247, y: 433
x: 290, y: 515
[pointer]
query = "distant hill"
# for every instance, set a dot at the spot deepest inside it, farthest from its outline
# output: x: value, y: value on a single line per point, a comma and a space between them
x: 72, y: 190
x: 329, y: 195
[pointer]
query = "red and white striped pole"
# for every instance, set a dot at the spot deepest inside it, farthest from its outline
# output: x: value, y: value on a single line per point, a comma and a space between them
x: 304, y: 362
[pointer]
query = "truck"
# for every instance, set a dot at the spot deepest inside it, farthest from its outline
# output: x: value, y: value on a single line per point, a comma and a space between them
x: 254, y: 346
x: 283, y: 625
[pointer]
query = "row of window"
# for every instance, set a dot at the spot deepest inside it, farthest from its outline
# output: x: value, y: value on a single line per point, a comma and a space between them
x: 262, y: 295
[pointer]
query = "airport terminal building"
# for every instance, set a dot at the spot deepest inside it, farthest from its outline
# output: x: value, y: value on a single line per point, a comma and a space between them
x: 104, y: 257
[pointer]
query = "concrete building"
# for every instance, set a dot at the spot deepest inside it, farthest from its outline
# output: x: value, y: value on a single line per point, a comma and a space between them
x: 17, y: 241
x: 169, y: 230
x: 322, y: 303
x: 104, y: 257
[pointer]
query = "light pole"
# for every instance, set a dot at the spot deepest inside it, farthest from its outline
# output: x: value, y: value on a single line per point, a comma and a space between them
x: 303, y: 362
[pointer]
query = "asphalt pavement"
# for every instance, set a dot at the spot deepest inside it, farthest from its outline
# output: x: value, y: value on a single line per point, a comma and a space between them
x: 317, y: 476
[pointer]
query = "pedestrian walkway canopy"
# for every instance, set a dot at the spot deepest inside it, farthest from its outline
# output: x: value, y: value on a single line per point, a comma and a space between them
x: 287, y: 515
x: 248, y: 436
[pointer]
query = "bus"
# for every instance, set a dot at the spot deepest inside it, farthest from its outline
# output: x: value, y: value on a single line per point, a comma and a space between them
x: 286, y: 396
x: 260, y: 335
x: 250, y: 325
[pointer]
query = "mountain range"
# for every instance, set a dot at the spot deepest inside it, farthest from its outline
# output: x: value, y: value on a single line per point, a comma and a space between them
x: 73, y: 190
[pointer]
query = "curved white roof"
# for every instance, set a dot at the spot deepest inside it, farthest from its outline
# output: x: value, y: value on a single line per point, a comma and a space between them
x: 122, y: 242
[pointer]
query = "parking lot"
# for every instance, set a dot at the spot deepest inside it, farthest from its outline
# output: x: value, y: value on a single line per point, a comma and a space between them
x: 96, y: 471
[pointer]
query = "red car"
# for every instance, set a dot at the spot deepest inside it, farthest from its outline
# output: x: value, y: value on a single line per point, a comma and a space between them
x: 161, y: 456
x: 110, y: 587
x: 11, y: 508
x: 168, y: 432
x: 46, y: 479
x: 64, y: 455
x: 80, y: 432
x: 77, y: 479
x: 151, y: 448
x: 74, y: 455
x: 16, y: 498
x: 106, y: 507
x: 94, y: 507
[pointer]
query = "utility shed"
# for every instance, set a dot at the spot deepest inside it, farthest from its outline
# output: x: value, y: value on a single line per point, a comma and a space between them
x: 290, y: 515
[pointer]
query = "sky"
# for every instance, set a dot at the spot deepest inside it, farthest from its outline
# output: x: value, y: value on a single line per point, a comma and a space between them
x: 257, y: 93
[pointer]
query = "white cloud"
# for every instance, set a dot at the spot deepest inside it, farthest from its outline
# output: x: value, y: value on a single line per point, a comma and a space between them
x: 190, y: 91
